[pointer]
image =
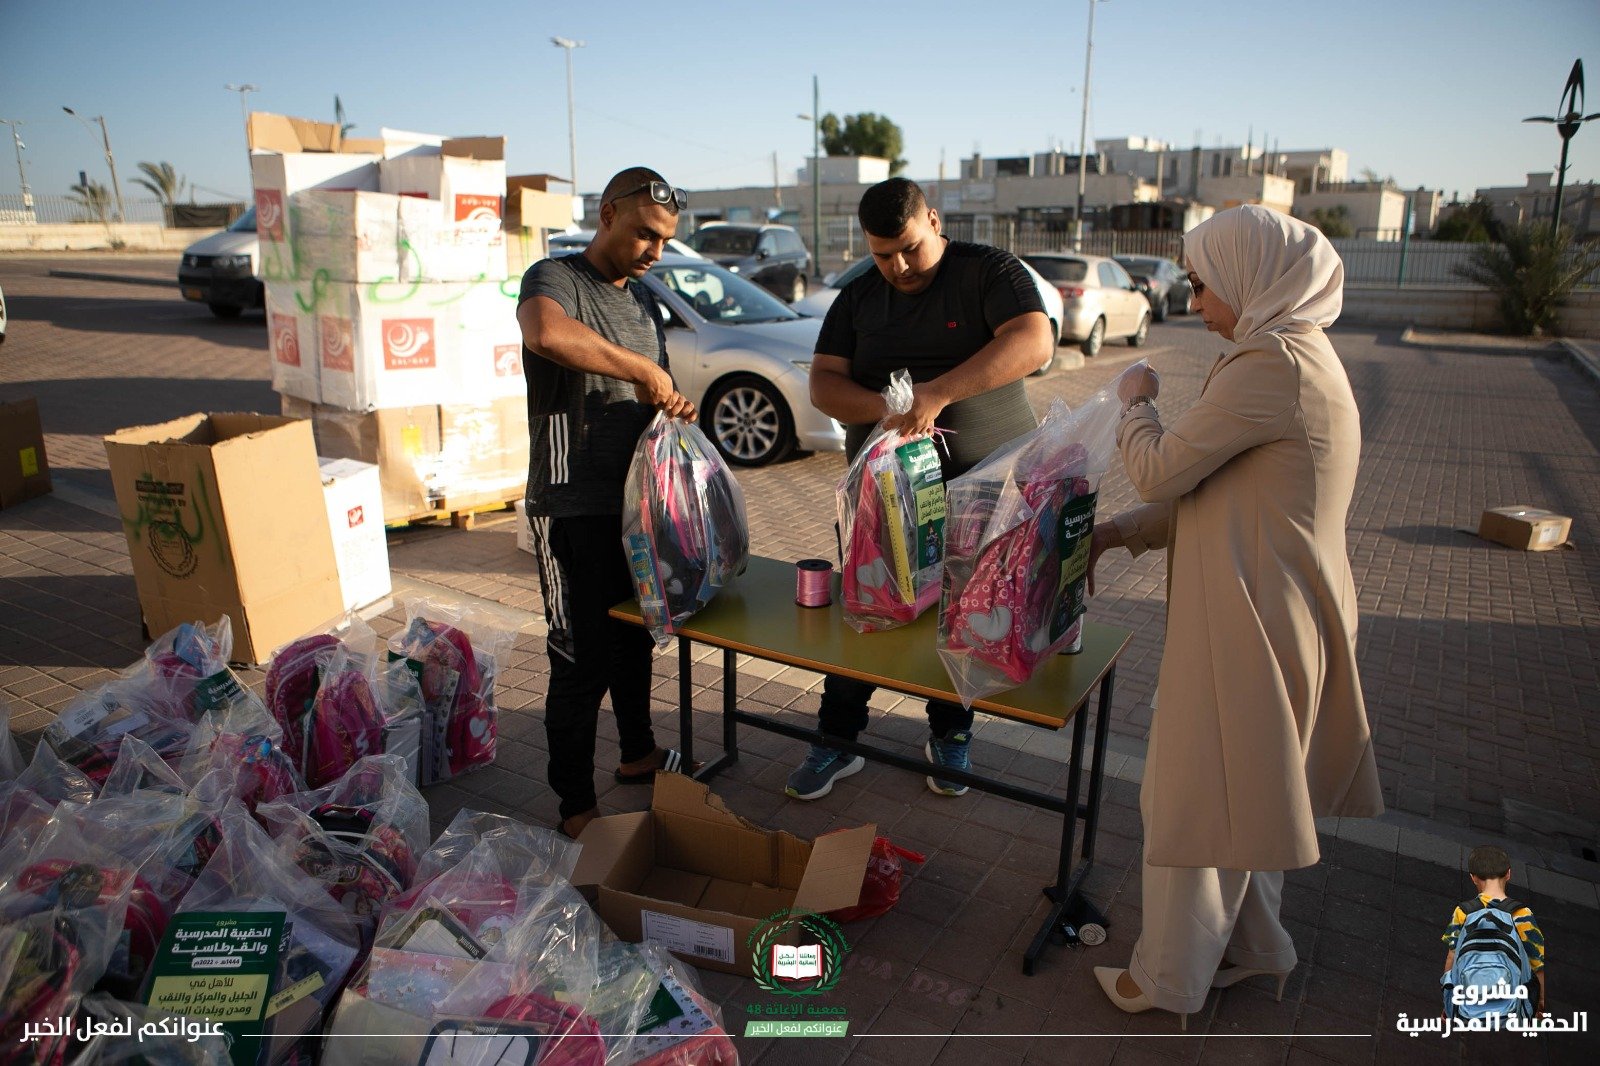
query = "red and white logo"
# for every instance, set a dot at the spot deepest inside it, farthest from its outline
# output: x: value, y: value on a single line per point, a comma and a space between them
x: 508, y: 360
x: 285, y: 341
x: 408, y: 344
x: 356, y: 515
x: 477, y: 207
x: 336, y: 343
x: 269, y: 214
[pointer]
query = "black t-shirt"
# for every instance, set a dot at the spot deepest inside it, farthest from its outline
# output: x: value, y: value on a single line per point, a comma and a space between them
x: 582, y: 428
x: 881, y: 329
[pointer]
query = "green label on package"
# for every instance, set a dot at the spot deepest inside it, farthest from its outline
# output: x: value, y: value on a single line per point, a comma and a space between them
x: 220, y: 965
x: 921, y: 465
x: 1076, y: 532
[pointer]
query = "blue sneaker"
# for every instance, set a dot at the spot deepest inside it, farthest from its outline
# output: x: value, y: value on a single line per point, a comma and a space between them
x: 821, y: 769
x: 951, y: 751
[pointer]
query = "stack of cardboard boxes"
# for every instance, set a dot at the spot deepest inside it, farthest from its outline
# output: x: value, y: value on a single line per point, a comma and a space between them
x: 391, y: 323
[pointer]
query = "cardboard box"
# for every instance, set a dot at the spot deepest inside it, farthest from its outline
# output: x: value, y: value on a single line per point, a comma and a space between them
x: 24, y: 470
x: 224, y: 515
x: 278, y: 179
x: 465, y: 174
x: 354, y: 497
x: 697, y: 877
x: 403, y: 443
x: 374, y: 236
x: 483, y: 449
x: 397, y: 345
x: 292, y: 340
x: 1527, y: 528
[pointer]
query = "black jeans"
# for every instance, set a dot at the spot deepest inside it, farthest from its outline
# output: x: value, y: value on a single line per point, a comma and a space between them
x: 844, y: 709
x: 583, y: 574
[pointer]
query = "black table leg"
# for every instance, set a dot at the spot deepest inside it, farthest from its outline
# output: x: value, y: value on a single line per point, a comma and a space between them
x: 686, y: 699
x: 730, y: 703
x: 1097, y: 769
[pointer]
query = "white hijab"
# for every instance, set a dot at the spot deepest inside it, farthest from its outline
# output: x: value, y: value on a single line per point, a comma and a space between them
x: 1277, y: 273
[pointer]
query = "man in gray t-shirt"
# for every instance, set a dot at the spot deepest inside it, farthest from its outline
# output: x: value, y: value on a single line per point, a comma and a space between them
x: 596, y: 364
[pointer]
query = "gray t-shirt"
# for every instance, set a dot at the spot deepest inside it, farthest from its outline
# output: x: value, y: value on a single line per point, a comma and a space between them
x: 582, y: 428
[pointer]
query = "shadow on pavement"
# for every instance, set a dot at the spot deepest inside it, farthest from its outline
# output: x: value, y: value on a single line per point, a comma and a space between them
x: 140, y: 310
x: 97, y: 406
x: 60, y: 620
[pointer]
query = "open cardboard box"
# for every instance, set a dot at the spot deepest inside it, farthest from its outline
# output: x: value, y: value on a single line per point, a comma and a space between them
x: 698, y: 878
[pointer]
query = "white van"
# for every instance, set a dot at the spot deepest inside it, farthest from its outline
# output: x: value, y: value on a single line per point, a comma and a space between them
x: 220, y: 270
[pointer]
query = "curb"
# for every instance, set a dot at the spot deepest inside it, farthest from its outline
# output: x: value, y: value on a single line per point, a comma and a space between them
x: 124, y: 279
x: 1586, y: 362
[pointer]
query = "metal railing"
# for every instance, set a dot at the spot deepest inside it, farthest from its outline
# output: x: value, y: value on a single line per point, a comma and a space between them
x: 15, y: 210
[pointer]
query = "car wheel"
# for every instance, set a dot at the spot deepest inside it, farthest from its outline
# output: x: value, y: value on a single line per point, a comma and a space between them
x: 749, y: 421
x: 797, y: 291
x: 226, y: 310
x: 1097, y: 337
x: 1139, y: 335
x: 1160, y: 309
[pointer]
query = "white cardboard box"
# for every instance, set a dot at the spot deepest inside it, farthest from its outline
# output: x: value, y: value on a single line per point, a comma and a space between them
x: 466, y: 174
x: 374, y: 236
x: 292, y: 341
x: 278, y: 177
x: 398, y: 345
x: 355, y: 516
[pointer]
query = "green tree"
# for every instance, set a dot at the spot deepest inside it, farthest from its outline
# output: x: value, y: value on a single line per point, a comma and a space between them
x: 91, y: 196
x: 1532, y: 270
x: 864, y: 134
x: 1334, y: 222
x: 338, y: 118
x: 1475, y: 222
x: 164, y: 180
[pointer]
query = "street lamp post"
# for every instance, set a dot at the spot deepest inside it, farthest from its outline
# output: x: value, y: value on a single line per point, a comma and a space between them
x: 1083, y: 131
x: 22, y: 174
x: 105, y: 139
x: 815, y: 119
x: 1566, y: 122
x: 244, y: 111
x: 568, y: 44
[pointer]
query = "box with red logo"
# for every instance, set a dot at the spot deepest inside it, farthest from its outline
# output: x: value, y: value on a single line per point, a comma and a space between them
x: 292, y: 340
x: 374, y: 236
x: 467, y: 175
x: 437, y: 247
x: 393, y: 345
x: 491, y: 357
x: 287, y: 156
x: 354, y: 496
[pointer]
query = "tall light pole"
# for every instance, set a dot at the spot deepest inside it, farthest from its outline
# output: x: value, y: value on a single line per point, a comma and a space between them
x: 22, y: 175
x: 568, y: 44
x: 105, y: 139
x: 815, y: 118
x: 244, y: 111
x: 1566, y: 122
x: 1083, y: 131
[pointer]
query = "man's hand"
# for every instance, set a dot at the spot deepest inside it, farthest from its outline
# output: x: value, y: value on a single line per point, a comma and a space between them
x: 1138, y: 380
x: 654, y: 388
x: 926, y: 403
x: 1105, y: 536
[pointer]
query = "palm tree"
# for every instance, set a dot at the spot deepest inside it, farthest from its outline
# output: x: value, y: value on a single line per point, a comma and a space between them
x: 92, y: 197
x: 162, y: 179
x: 338, y: 118
x: 1533, y: 271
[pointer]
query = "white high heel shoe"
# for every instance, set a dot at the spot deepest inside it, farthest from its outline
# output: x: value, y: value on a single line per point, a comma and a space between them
x: 1232, y: 975
x: 1107, y: 976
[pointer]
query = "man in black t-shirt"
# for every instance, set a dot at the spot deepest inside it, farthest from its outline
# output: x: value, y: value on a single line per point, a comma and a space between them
x: 596, y: 364
x: 967, y: 322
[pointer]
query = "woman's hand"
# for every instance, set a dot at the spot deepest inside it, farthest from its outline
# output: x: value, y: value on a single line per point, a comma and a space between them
x: 1105, y: 536
x: 1138, y: 380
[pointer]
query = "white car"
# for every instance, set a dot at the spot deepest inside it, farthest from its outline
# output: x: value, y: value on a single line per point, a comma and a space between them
x: 816, y: 305
x: 1102, y: 302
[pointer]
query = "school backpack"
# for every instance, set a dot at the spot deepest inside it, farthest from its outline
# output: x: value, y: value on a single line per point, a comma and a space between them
x: 1489, y: 952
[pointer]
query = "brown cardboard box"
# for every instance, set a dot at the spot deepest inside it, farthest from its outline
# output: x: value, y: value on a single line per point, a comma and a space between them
x: 24, y: 470
x: 484, y: 448
x: 224, y: 514
x: 403, y: 441
x: 1528, y: 528
x: 698, y: 878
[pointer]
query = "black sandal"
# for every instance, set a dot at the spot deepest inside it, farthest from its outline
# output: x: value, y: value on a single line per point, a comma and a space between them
x: 671, y: 763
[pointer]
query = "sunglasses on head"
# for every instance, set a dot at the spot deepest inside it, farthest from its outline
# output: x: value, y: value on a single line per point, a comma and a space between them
x: 661, y: 193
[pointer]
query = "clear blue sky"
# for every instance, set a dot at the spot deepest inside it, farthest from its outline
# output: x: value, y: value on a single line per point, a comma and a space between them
x: 1432, y: 93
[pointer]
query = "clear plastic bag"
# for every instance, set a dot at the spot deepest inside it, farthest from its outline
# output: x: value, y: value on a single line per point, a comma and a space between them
x: 891, y: 517
x: 240, y: 756
x: 140, y: 767
x: 88, y: 734
x: 53, y: 780
x: 683, y: 524
x: 654, y: 1012
x: 540, y: 854
x: 1017, y: 549
x: 456, y: 654
x: 188, y: 666
x: 10, y: 757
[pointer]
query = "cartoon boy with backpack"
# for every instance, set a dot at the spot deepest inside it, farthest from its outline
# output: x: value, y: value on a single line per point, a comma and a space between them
x: 1494, y: 945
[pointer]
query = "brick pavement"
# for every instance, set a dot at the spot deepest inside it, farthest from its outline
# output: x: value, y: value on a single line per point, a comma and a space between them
x: 1441, y: 647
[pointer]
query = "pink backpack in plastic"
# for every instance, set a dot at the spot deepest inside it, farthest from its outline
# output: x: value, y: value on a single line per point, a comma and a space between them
x: 292, y: 683
x: 457, y: 688
x: 868, y: 585
x: 345, y: 725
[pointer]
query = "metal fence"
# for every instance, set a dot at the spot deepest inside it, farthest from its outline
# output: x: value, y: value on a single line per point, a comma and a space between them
x: 16, y: 210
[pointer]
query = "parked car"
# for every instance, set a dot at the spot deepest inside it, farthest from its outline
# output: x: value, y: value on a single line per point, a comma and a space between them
x: 561, y: 243
x: 219, y: 270
x: 744, y: 359
x: 773, y: 257
x: 818, y: 302
x: 1101, y: 300
x: 1164, y: 283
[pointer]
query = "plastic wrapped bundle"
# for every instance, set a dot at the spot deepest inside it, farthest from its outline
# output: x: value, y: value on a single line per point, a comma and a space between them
x: 683, y: 524
x: 1017, y: 554
x: 891, y: 517
x: 10, y: 757
x: 54, y: 781
x: 653, y: 1011
x: 189, y: 666
x: 241, y: 757
x: 455, y: 656
x: 293, y: 678
x: 139, y: 767
x: 88, y: 734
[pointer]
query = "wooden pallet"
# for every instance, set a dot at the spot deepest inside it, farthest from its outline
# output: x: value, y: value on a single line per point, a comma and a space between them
x: 462, y: 510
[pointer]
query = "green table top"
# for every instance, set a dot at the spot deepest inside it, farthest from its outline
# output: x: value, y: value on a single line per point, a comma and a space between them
x: 757, y: 615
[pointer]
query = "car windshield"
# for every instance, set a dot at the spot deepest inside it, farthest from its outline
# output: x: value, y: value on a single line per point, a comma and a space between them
x: 852, y: 272
x: 1052, y: 269
x: 720, y: 241
x: 245, y: 223
x: 720, y: 296
x: 1139, y: 265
